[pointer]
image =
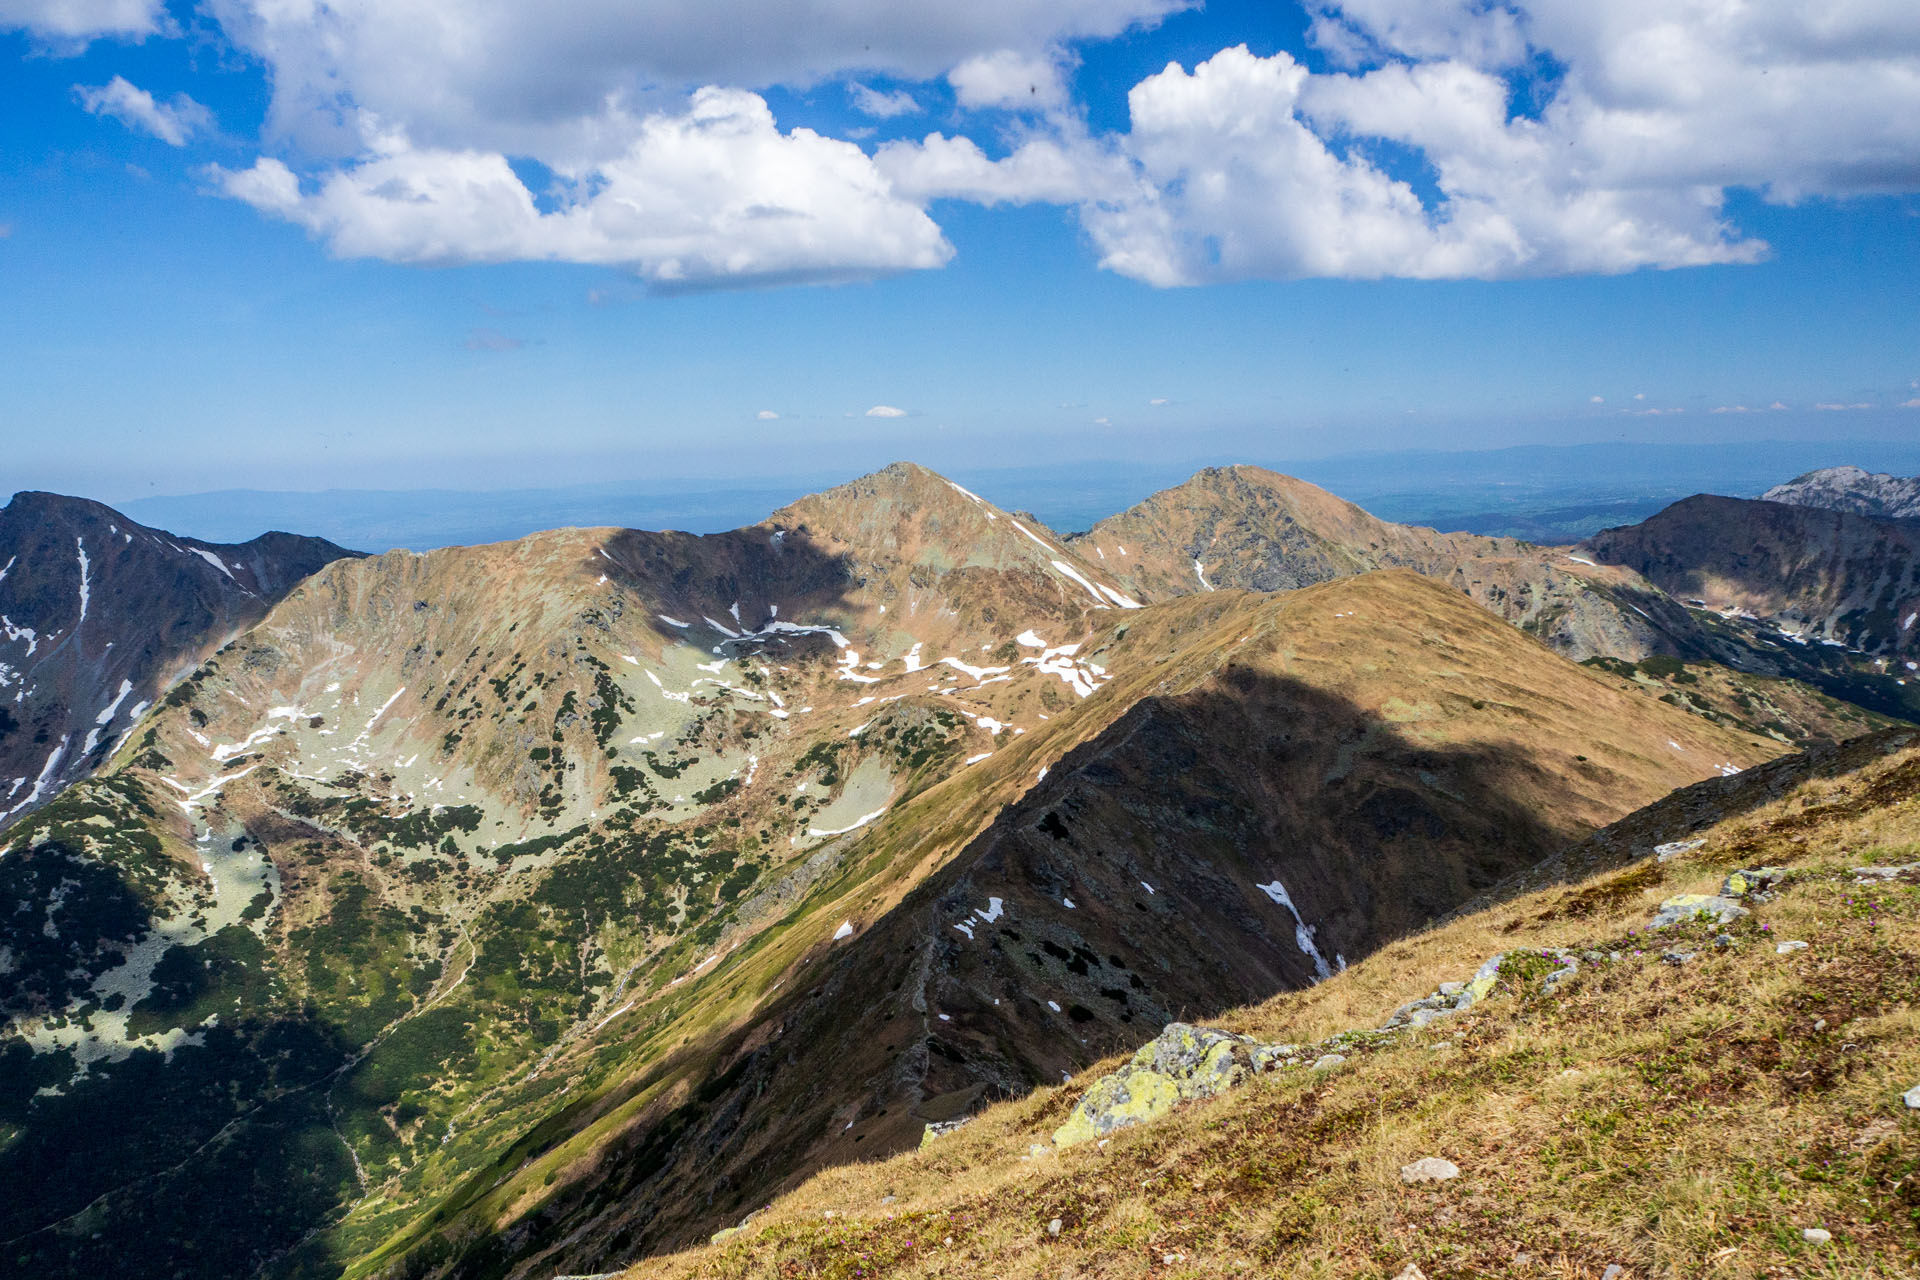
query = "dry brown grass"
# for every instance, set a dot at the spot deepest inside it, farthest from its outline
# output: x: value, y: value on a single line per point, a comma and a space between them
x: 1677, y: 1121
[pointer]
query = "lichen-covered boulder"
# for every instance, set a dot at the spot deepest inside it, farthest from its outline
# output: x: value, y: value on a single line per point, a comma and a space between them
x: 1686, y: 907
x: 1752, y: 881
x: 1182, y: 1063
x: 940, y: 1129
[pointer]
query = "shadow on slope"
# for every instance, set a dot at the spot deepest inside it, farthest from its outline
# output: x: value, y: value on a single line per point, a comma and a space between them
x: 1207, y: 850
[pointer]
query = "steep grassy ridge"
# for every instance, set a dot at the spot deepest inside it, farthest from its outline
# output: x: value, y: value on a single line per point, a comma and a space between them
x: 1369, y: 751
x: 1665, y: 1116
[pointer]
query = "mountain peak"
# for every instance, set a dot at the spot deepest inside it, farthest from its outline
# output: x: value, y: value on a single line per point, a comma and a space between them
x: 1851, y: 489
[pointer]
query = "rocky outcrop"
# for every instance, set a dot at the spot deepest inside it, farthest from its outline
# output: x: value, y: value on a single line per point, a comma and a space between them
x: 1185, y: 1063
x: 1181, y: 1064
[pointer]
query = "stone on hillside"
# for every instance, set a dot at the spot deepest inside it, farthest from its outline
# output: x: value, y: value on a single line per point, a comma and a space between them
x: 1668, y: 852
x: 1816, y: 1235
x: 940, y: 1129
x: 1676, y: 957
x: 1182, y: 1063
x: 1411, y: 1271
x: 1568, y: 966
x: 1686, y: 907
x: 1328, y: 1061
x: 1789, y: 947
x: 1613, y: 1272
x: 1752, y: 881
x: 1912, y: 1098
x: 1428, y: 1169
x: 1880, y: 875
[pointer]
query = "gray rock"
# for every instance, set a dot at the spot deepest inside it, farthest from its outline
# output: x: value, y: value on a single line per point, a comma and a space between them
x: 1568, y: 967
x: 940, y: 1129
x: 1688, y: 907
x: 1181, y: 1064
x: 1816, y: 1235
x: 1668, y: 852
x: 1677, y: 957
x: 1880, y: 875
x: 1912, y: 1098
x: 1428, y: 1169
x: 1411, y: 1271
x: 1053, y: 1227
x: 1721, y: 941
x: 1788, y: 948
x: 1328, y: 1061
x: 1752, y: 882
x: 1613, y: 1272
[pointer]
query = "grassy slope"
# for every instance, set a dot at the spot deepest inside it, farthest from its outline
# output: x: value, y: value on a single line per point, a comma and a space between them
x: 1687, y: 1120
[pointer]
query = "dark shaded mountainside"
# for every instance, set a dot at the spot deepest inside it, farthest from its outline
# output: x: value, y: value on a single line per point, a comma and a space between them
x: 1812, y: 577
x: 529, y: 908
x: 1688, y: 1052
x: 1854, y: 489
x: 100, y: 614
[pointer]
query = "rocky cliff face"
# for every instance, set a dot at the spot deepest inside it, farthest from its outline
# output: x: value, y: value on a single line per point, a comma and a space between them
x: 1817, y: 577
x: 1247, y: 527
x: 99, y: 614
x: 1864, y: 493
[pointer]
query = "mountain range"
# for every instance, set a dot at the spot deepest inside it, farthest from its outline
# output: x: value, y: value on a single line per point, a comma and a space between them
x: 532, y: 908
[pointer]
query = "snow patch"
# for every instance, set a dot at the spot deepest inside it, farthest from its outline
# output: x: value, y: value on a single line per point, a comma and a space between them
x: 213, y: 560
x: 86, y: 592
x: 1302, y: 931
x: 858, y: 823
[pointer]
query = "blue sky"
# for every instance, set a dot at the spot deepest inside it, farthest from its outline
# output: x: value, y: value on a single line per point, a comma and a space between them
x: 374, y: 254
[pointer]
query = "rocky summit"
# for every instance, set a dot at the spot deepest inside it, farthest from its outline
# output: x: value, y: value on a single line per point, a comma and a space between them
x: 99, y: 616
x: 556, y: 905
x: 1865, y: 493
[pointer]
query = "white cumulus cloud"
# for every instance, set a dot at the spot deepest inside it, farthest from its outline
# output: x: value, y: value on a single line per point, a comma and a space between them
x: 1247, y: 166
x: 1438, y: 139
x: 767, y: 415
x: 882, y: 105
x: 74, y: 22
x: 713, y: 194
x: 886, y: 411
x: 171, y: 122
x: 1010, y: 80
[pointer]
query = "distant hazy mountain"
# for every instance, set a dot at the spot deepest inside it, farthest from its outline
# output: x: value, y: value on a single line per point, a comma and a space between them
x: 1852, y: 489
x: 1546, y: 494
x: 99, y: 613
